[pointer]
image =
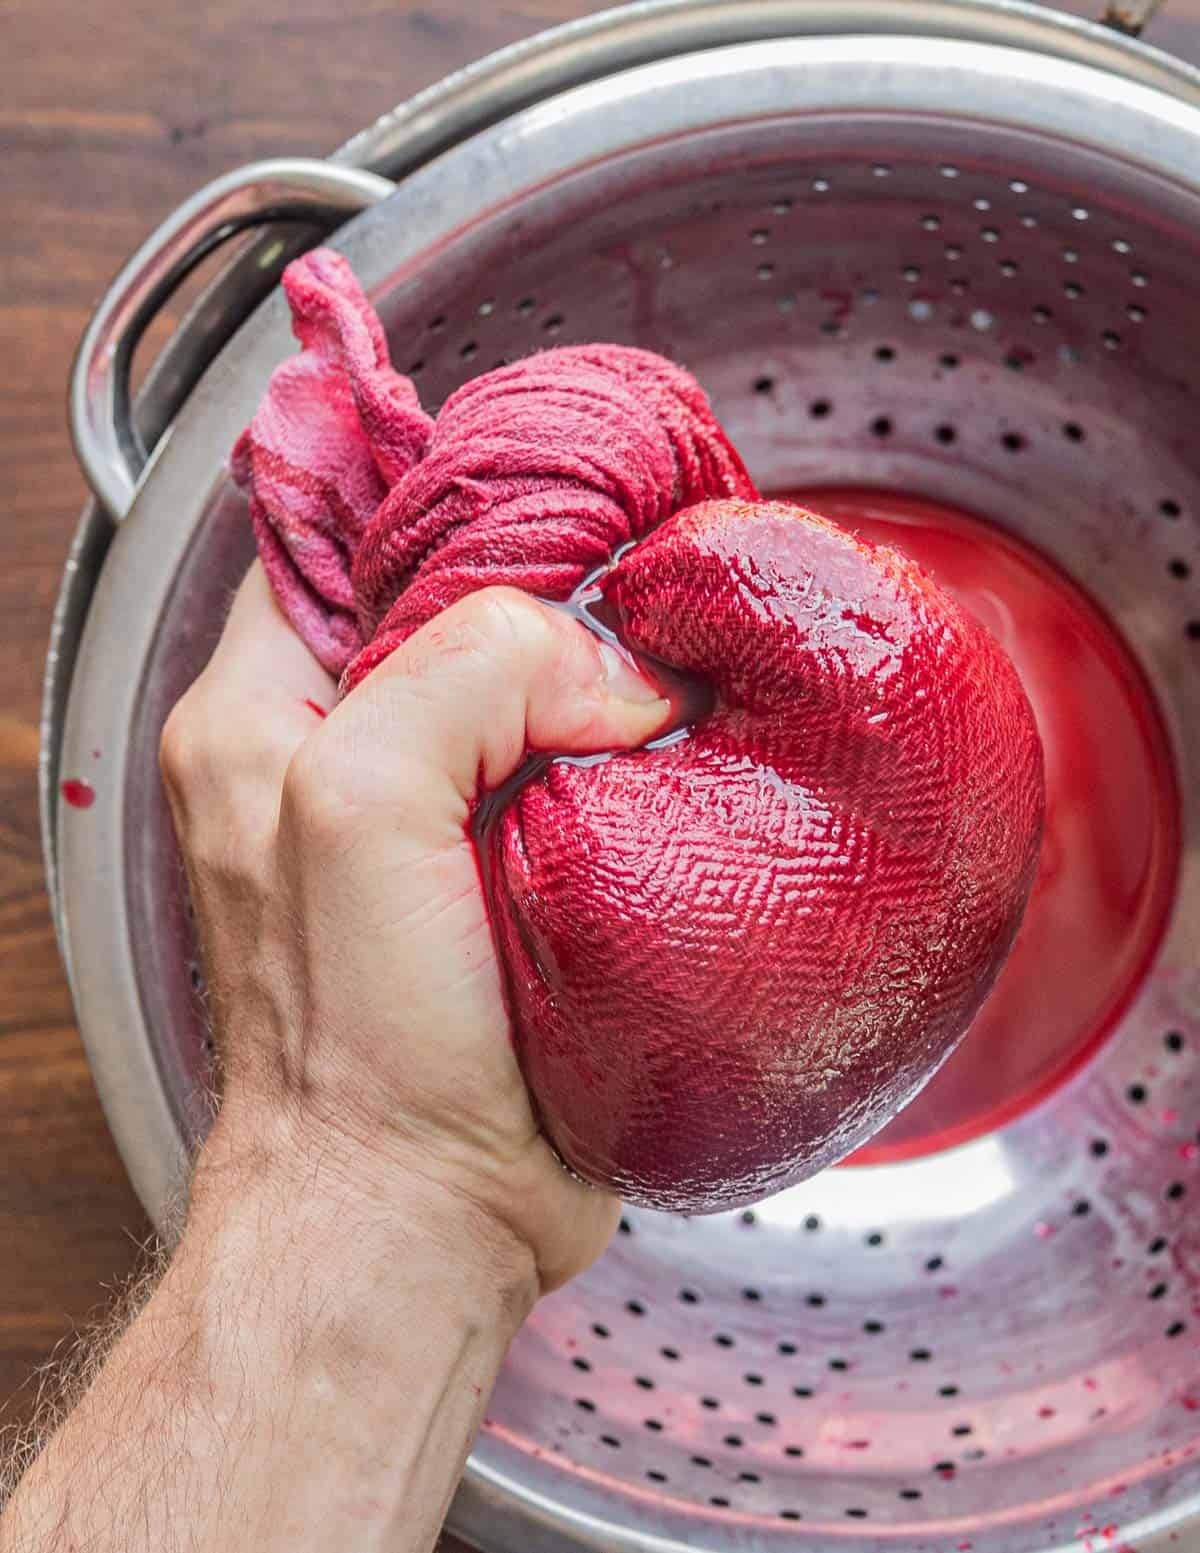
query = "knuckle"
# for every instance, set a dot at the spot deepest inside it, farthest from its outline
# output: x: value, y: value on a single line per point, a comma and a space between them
x: 502, y: 625
x: 315, y: 803
x: 183, y: 744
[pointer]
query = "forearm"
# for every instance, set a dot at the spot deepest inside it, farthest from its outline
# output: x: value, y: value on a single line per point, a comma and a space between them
x: 309, y: 1373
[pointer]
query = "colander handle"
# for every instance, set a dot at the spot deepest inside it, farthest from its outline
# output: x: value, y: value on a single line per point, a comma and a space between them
x: 313, y: 193
x: 1129, y: 16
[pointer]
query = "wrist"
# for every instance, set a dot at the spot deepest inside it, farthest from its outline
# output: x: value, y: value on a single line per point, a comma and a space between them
x: 334, y: 1197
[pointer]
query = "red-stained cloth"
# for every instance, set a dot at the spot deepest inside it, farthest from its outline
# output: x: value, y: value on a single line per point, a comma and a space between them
x: 729, y: 959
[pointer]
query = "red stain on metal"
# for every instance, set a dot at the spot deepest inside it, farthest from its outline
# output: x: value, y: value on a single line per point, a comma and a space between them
x: 78, y: 792
x: 841, y: 304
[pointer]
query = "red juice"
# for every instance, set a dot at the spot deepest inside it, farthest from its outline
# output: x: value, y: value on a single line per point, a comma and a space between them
x: 1107, y: 869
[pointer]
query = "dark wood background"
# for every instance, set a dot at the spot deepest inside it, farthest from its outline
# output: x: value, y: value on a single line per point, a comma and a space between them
x: 109, y: 116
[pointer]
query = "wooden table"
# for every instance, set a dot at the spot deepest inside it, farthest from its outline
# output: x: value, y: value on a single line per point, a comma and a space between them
x: 109, y: 116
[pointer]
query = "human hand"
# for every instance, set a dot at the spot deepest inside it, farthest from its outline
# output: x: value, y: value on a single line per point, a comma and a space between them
x: 356, y: 997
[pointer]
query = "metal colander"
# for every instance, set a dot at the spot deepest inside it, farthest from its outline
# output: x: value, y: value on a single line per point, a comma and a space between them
x: 963, y: 265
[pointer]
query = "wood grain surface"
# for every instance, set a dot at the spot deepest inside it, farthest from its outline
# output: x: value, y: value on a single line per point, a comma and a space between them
x: 109, y: 116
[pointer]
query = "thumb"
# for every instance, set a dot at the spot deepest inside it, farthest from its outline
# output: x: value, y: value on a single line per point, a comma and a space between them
x: 455, y: 708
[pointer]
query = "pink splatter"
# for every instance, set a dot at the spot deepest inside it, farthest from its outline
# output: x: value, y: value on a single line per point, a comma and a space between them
x: 1042, y: 1230
x: 1170, y: 1115
x: 858, y: 1445
x: 314, y: 706
x: 965, y: 1547
x: 1046, y: 1412
x: 95, y: 754
x: 841, y: 304
x: 1110, y: 1532
x: 1089, y: 1383
x: 80, y: 794
x: 947, y: 1291
x: 1191, y: 1403
x: 1189, y: 1151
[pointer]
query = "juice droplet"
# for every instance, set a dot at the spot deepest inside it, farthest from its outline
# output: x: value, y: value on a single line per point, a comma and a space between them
x: 79, y: 793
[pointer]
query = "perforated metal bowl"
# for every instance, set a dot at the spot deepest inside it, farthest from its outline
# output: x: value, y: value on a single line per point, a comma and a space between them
x: 856, y: 241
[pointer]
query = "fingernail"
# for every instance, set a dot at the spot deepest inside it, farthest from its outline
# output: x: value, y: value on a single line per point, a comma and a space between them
x: 622, y: 681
